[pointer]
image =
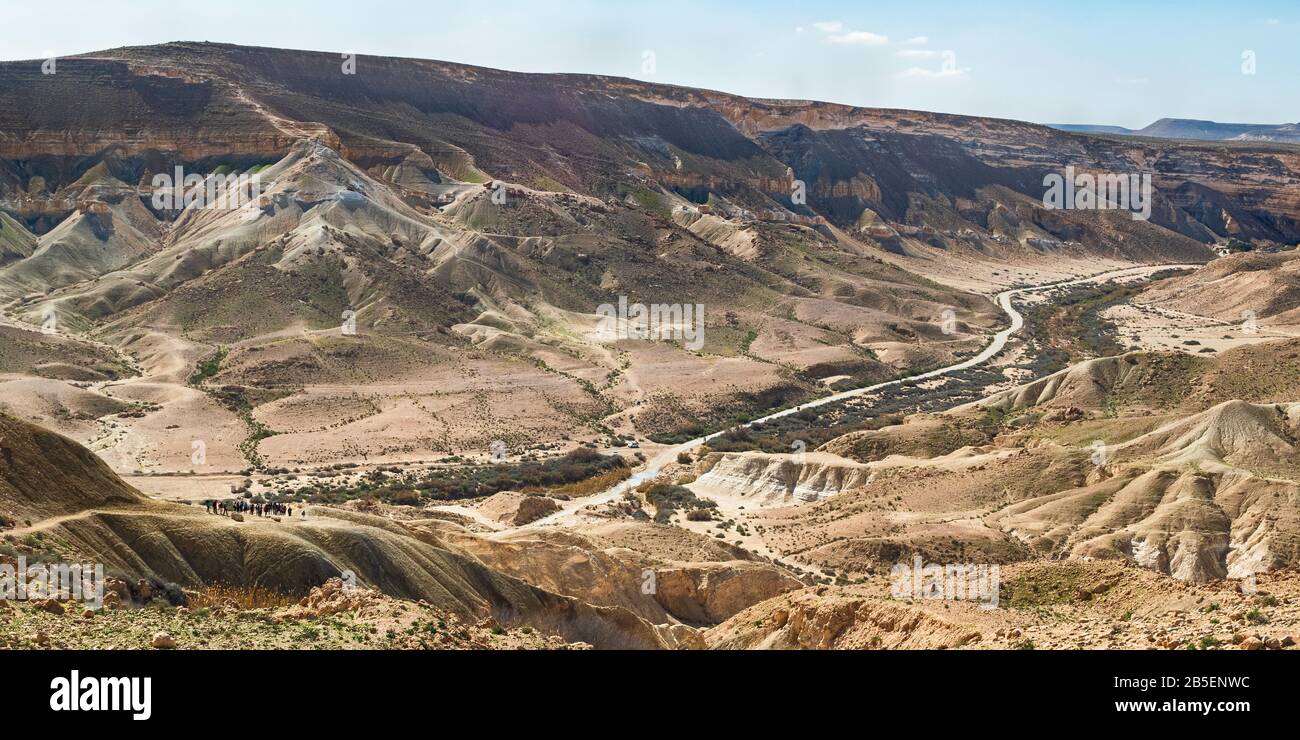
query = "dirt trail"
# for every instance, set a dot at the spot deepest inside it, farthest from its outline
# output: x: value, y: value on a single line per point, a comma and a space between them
x: 570, y: 511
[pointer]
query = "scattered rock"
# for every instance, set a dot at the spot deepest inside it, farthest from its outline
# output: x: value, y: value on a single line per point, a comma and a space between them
x: 1067, y: 414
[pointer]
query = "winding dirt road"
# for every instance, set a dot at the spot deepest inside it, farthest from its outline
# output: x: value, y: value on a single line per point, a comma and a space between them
x: 651, y: 468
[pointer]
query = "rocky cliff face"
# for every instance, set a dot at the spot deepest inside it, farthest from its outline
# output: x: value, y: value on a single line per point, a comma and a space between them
x: 142, y: 109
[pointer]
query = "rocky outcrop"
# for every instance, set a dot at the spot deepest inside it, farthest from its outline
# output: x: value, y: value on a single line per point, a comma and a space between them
x: 710, y: 593
x: 776, y: 480
x: 660, y: 591
x: 823, y: 618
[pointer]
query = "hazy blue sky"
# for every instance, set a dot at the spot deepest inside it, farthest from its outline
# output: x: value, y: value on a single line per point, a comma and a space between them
x: 1103, y: 61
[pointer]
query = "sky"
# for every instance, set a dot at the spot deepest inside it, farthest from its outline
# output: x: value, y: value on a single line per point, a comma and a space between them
x: 1099, y: 62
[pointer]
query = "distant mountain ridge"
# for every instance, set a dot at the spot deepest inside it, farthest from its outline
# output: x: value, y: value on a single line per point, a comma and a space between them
x: 1190, y: 128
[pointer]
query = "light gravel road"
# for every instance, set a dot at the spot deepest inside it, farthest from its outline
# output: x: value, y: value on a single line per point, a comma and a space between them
x: 652, y: 467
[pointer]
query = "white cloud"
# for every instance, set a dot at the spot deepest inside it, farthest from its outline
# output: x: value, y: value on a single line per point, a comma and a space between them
x: 1274, y: 21
x: 917, y: 41
x: 837, y: 33
x: 946, y: 73
x: 918, y: 53
x: 863, y: 38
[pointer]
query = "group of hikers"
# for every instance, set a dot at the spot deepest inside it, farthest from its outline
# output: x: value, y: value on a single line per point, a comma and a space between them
x: 240, y: 506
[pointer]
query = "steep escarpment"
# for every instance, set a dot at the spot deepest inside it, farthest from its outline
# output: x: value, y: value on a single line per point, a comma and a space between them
x: 899, y: 180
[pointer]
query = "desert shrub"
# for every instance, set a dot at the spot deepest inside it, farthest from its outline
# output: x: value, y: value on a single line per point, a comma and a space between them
x: 405, y: 497
x: 581, y: 471
x: 208, y: 367
x: 667, y: 498
x: 583, y: 455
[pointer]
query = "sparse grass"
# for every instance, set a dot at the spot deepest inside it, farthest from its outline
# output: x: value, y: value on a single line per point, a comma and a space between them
x: 208, y: 367
x: 1060, y: 583
x: 243, y: 597
x: 592, y: 485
